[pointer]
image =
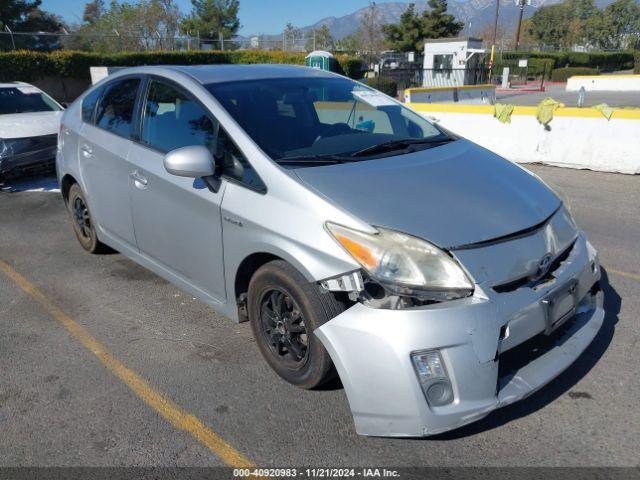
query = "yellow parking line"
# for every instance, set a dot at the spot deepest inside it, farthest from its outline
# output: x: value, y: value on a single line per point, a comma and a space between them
x: 173, y: 413
x: 632, y: 276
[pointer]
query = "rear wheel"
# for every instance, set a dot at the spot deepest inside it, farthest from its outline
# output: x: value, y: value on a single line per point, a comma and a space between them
x: 82, y: 222
x: 284, y: 310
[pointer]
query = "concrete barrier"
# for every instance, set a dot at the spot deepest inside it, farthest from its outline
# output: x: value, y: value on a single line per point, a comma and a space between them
x: 472, y: 94
x: 576, y: 137
x: 609, y: 83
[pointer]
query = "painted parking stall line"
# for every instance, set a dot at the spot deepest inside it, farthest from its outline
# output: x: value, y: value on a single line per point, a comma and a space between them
x: 140, y: 387
x: 631, y: 276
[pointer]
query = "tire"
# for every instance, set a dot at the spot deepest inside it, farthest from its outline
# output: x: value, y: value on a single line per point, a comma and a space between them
x: 83, y: 225
x: 299, y: 358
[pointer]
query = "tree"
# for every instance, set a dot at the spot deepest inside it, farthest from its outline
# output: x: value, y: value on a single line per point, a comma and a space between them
x: 618, y: 26
x: 485, y: 31
x: 565, y: 24
x: 409, y: 34
x: 214, y: 18
x: 370, y: 33
x: 319, y: 39
x: 93, y: 11
x: 145, y: 25
x: 581, y: 12
x: 290, y: 36
x: 350, y: 43
x: 438, y: 23
x: 26, y: 16
x: 551, y: 25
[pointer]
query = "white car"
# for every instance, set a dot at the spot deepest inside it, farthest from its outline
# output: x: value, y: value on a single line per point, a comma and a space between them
x: 29, y: 124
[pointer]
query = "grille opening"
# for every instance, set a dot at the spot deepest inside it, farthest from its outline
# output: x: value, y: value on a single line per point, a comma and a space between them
x: 516, y: 358
x: 526, y: 281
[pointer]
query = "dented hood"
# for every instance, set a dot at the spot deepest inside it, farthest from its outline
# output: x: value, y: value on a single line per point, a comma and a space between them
x: 452, y: 195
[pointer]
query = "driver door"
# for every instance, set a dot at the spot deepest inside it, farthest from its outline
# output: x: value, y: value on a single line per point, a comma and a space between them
x: 177, y: 220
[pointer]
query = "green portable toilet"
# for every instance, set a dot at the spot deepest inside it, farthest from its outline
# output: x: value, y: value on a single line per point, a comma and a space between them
x: 321, y: 60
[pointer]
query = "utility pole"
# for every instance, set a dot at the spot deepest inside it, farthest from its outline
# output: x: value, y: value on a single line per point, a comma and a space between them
x: 521, y: 4
x: 495, y: 36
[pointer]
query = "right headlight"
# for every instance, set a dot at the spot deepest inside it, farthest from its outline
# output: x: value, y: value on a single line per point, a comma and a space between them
x: 404, y: 264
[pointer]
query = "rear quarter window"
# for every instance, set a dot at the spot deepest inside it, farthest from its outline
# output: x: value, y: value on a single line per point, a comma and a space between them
x: 89, y: 105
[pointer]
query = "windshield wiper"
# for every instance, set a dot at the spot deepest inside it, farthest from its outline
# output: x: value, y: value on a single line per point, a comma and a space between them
x: 393, y: 145
x: 314, y: 160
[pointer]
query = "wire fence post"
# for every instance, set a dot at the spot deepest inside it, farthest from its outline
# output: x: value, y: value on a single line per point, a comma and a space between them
x: 13, y: 42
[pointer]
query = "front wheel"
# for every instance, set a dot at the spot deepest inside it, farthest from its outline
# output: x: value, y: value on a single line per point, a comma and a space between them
x: 284, y: 310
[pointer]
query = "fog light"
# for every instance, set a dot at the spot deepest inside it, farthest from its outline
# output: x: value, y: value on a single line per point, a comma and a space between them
x: 433, y: 377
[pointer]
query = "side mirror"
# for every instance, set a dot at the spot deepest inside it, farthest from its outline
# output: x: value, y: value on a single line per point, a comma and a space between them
x: 194, y: 162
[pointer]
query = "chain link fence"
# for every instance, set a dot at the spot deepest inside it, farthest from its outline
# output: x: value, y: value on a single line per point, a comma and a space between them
x: 116, y: 42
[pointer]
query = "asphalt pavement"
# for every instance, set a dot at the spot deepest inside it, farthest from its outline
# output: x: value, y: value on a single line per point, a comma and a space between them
x: 104, y: 363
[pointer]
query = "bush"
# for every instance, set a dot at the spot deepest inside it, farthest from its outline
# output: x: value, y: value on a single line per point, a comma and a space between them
x: 350, y: 66
x: 562, y: 74
x: 636, y: 68
x: 385, y: 85
x: 604, y: 61
x: 536, y: 66
x: 30, y: 66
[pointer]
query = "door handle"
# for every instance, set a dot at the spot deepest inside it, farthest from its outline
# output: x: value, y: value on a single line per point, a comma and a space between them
x: 86, y: 150
x: 139, y: 180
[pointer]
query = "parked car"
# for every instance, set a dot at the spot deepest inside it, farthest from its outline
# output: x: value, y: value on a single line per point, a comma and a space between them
x: 438, y: 280
x: 29, y: 123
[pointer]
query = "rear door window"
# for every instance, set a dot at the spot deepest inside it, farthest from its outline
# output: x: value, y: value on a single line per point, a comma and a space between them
x: 172, y: 119
x: 115, y: 111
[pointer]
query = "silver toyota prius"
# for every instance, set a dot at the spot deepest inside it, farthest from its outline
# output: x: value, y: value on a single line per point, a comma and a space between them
x: 437, y: 280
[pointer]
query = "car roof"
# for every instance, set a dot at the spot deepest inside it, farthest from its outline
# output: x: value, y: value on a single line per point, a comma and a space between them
x: 207, y: 74
x: 14, y: 84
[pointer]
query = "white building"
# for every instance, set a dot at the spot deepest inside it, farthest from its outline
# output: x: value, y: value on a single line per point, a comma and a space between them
x: 450, y: 62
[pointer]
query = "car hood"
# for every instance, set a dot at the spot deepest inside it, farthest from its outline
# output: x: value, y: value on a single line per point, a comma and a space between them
x: 32, y: 124
x: 453, y: 195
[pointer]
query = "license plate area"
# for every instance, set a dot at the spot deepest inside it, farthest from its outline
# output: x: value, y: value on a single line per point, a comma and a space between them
x: 560, y: 305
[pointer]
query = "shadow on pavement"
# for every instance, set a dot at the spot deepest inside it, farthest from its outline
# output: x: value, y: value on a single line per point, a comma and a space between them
x: 33, y: 183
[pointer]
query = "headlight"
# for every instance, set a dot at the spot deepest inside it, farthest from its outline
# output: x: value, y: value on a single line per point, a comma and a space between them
x: 405, y: 264
x: 3, y: 148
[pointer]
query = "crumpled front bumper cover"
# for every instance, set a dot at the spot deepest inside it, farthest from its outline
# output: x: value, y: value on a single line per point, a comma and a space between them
x: 26, y: 153
x: 371, y: 349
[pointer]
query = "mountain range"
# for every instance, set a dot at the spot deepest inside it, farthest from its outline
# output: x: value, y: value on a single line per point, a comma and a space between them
x: 476, y: 15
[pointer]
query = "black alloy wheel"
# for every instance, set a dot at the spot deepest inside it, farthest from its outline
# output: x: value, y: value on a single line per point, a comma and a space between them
x: 285, y: 311
x: 284, y: 328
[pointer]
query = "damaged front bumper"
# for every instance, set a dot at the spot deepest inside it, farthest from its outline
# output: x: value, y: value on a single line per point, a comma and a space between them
x: 27, y: 154
x: 477, y: 338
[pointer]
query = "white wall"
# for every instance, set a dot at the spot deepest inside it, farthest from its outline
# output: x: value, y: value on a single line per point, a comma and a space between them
x: 469, y: 95
x: 594, y: 83
x: 592, y: 143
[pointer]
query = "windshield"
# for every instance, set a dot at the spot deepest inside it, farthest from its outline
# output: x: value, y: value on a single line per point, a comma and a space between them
x: 24, y: 99
x: 314, y: 118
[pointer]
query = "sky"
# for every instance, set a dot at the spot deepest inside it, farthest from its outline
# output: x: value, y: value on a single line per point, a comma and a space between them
x: 256, y: 16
